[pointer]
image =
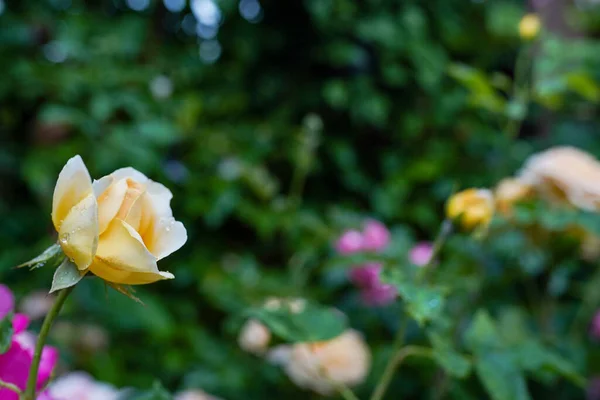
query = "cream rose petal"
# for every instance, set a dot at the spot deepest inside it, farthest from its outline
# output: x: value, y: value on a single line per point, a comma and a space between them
x: 109, y: 201
x: 73, y: 185
x: 122, y: 248
x: 78, y: 233
x: 128, y: 172
x: 108, y: 273
x: 165, y: 236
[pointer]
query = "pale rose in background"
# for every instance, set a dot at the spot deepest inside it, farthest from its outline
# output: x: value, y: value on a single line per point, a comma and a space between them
x: 564, y: 175
x: 421, y: 254
x: 37, y: 304
x: 195, y: 394
x: 81, y: 386
x: 118, y: 227
x: 349, y: 243
x: 375, y: 235
x: 318, y: 366
x: 510, y: 191
x: 254, y: 337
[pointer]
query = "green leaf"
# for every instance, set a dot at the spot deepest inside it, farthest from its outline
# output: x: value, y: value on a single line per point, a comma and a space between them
x: 299, y: 320
x: 482, y: 333
x: 454, y: 363
x: 501, y: 376
x: 66, y: 275
x: 52, y: 257
x: 497, y: 367
x: 6, y: 332
x: 423, y: 302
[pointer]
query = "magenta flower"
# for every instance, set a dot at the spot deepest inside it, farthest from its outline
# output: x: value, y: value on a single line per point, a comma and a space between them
x: 350, y: 242
x: 421, y: 253
x: 376, y: 236
x: 15, y: 363
x: 379, y: 295
x: 373, y: 291
x: 366, y: 276
x: 593, y: 389
x: 595, y: 326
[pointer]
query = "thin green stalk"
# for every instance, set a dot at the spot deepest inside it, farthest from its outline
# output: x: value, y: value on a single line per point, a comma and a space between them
x: 394, y: 363
x: 29, y: 393
x: 346, y: 392
x: 10, y: 386
x: 520, y: 90
x: 388, y: 372
x: 443, y: 234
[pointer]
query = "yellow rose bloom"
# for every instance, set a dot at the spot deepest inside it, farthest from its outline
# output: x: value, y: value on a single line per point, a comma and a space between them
x: 117, y: 227
x: 529, y: 26
x: 472, y: 207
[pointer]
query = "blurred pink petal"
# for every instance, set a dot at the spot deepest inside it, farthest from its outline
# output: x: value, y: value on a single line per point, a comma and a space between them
x: 7, y: 301
x: 37, y: 304
x: 366, y: 276
x: 20, y: 322
x: 595, y: 326
x: 47, y: 364
x: 376, y: 236
x: 379, y: 295
x: 81, y: 386
x: 350, y: 242
x: 421, y: 254
x: 14, y: 368
x: 593, y: 389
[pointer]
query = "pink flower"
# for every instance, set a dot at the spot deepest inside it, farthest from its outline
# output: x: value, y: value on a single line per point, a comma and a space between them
x: 7, y: 301
x: 366, y: 276
x: 376, y: 236
x: 595, y: 326
x: 15, y: 363
x: 81, y: 386
x: 373, y: 291
x: 421, y: 253
x: 379, y: 295
x: 350, y: 242
x: 593, y: 389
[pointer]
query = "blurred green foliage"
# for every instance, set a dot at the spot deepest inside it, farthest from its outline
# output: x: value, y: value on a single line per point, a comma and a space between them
x: 276, y: 132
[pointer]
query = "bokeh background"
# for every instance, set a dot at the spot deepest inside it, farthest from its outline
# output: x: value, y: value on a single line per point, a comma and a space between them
x: 276, y: 124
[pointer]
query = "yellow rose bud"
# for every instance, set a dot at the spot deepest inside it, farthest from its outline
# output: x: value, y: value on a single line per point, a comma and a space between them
x: 509, y: 191
x: 118, y: 227
x: 529, y: 27
x: 472, y: 207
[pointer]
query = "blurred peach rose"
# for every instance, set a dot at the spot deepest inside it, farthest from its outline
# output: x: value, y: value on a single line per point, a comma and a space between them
x: 564, y: 175
x: 510, y: 191
x: 319, y: 366
x: 118, y: 227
